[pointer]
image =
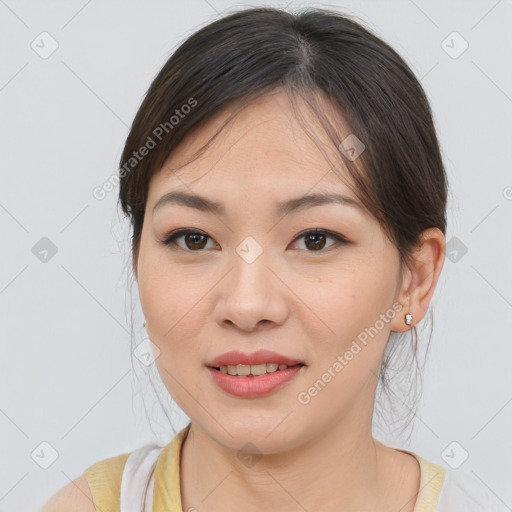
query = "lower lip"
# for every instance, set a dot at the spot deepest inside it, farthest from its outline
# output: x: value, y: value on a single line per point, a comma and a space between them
x: 253, y: 386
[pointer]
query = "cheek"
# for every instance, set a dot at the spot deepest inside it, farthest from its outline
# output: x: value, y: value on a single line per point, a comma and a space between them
x: 349, y: 342
x: 175, y: 318
x: 349, y: 297
x: 171, y: 302
x: 348, y: 304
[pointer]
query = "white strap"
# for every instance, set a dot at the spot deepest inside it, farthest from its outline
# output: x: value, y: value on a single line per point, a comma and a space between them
x: 462, y: 492
x: 149, y: 493
x: 138, y: 479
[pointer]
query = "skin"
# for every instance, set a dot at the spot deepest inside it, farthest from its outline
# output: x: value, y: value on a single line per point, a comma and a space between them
x: 306, y: 303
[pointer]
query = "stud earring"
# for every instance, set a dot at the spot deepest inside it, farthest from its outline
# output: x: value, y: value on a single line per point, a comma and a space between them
x: 408, y: 319
x: 144, y: 324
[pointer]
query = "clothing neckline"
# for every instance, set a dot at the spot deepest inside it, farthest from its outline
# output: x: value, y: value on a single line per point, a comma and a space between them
x: 167, y: 490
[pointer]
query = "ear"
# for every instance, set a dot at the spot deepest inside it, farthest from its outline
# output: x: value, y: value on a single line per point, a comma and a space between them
x: 420, y: 279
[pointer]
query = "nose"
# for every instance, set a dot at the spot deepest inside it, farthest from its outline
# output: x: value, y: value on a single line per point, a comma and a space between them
x: 251, y: 297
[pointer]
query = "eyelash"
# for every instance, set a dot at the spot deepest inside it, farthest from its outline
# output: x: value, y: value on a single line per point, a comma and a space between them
x: 171, y: 238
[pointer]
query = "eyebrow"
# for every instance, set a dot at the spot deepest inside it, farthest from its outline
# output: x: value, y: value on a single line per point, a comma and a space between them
x: 204, y: 204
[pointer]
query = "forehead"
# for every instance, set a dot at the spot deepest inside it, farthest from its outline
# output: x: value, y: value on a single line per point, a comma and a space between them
x: 267, y: 146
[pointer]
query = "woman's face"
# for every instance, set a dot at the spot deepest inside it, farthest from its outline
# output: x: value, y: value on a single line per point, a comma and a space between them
x: 251, y: 278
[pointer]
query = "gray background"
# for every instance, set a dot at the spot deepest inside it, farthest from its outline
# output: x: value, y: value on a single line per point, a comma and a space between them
x: 65, y: 368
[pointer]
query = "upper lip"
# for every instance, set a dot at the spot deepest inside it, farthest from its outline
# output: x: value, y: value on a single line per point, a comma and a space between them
x: 261, y: 356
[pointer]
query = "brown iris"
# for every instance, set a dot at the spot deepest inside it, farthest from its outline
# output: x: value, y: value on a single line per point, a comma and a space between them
x: 318, y: 241
x: 197, y: 240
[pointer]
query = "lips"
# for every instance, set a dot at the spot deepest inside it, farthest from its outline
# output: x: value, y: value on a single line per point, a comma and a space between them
x: 261, y: 356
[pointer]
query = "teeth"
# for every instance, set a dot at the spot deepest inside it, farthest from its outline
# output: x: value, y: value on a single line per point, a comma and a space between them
x: 242, y: 369
x: 253, y: 369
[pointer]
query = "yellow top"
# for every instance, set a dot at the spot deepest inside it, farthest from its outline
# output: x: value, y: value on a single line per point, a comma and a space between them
x: 104, y: 479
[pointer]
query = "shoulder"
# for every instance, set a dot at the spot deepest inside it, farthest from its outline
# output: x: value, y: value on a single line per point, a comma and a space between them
x: 104, y: 479
x: 96, y: 489
x: 74, y: 496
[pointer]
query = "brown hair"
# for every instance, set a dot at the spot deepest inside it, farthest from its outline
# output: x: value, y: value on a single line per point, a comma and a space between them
x: 313, y: 54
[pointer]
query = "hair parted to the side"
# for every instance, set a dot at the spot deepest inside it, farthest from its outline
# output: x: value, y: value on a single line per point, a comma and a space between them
x: 344, y: 74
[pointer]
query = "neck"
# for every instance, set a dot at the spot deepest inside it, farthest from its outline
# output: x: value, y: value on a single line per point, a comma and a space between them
x: 337, y: 469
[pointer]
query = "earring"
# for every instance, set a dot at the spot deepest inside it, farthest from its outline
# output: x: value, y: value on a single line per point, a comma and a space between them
x: 144, y: 324
x: 408, y: 319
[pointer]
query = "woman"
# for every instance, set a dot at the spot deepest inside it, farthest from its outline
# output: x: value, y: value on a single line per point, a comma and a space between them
x: 287, y: 197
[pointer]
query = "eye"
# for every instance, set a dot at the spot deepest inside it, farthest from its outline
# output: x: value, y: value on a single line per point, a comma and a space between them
x: 195, y: 241
x: 315, y: 239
